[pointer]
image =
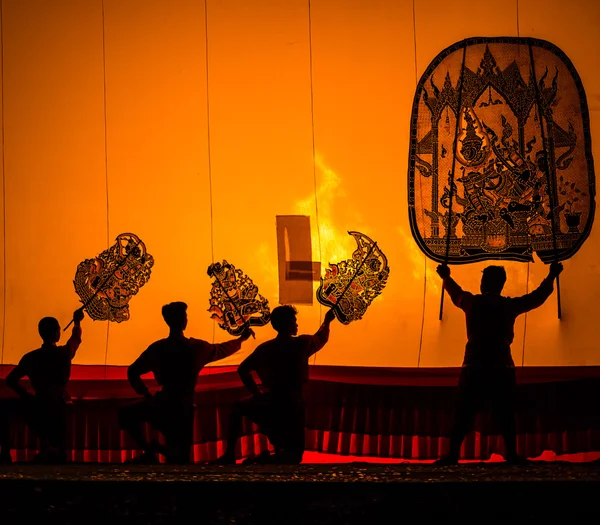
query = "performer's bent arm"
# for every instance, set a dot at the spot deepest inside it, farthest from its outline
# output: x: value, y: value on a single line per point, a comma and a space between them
x: 75, y: 339
x: 319, y: 340
x: 458, y: 296
x: 245, y: 372
x: 142, y: 365
x: 13, y: 378
x: 222, y: 350
x: 538, y: 297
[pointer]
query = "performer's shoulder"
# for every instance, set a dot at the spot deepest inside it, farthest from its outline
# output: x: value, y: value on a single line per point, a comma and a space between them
x: 194, y: 341
x: 158, y: 345
x: 32, y: 355
x: 266, y: 346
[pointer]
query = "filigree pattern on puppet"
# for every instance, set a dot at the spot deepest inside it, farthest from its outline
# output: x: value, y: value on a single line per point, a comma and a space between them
x: 350, y: 286
x: 234, y: 299
x: 500, y: 155
x: 106, y: 283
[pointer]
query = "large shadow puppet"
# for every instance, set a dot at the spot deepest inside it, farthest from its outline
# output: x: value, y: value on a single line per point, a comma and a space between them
x: 500, y: 157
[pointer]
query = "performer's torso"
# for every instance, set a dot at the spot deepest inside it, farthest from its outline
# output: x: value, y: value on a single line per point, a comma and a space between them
x: 49, y: 370
x: 176, y: 365
x: 490, y: 331
x: 283, y: 367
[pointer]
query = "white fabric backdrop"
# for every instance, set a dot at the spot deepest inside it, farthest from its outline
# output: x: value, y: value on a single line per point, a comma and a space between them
x: 80, y: 168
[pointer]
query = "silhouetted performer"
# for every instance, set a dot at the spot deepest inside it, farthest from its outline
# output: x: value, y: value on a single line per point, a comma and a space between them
x: 488, y: 370
x: 48, y: 370
x: 175, y: 362
x: 278, y: 407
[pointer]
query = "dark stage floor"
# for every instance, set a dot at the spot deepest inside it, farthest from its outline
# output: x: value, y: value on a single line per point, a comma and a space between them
x: 307, y: 494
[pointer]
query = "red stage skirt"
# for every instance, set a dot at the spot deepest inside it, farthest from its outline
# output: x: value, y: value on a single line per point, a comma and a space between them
x: 402, y: 413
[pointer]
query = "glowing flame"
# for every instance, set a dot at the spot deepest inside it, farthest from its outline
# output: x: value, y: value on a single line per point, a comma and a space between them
x: 269, y: 278
x: 330, y: 241
x: 419, y: 266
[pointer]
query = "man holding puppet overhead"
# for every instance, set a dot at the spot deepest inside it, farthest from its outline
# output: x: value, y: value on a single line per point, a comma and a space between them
x: 488, y: 370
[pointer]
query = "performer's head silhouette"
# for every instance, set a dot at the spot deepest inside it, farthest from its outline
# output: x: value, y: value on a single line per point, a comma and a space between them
x: 49, y: 330
x: 175, y: 315
x: 493, y: 279
x: 283, y: 320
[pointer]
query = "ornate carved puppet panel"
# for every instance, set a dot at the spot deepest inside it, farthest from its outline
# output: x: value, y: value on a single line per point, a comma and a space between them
x: 106, y: 284
x: 234, y: 299
x: 500, y: 160
x: 350, y: 286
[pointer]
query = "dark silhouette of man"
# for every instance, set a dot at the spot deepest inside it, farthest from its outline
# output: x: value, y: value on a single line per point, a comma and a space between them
x: 48, y: 369
x: 175, y: 362
x: 277, y: 407
x: 488, y: 370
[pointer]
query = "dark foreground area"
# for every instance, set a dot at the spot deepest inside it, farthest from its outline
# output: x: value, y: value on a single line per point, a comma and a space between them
x: 307, y: 494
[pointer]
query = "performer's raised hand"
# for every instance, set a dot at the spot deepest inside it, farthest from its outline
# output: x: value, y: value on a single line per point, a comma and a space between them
x: 247, y: 333
x: 329, y: 316
x: 555, y: 269
x: 443, y: 270
x: 78, y: 315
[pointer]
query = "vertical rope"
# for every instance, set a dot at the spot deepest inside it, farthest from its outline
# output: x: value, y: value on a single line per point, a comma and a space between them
x: 209, y: 148
x: 212, y: 243
x: 518, y: 29
x: 312, y: 125
x: 414, y: 17
x: 3, y: 176
x: 105, y: 165
x: 414, y: 13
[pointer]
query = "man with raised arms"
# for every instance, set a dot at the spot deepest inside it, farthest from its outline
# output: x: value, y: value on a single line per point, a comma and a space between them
x: 488, y: 370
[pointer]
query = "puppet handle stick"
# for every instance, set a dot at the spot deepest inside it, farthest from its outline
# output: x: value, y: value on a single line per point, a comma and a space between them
x: 235, y: 306
x: 70, y: 323
x: 373, y: 246
x: 454, y: 147
x: 558, y: 297
x: 99, y: 289
x: 549, y: 165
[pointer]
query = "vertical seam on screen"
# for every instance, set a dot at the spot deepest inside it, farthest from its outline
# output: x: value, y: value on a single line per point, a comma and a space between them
x: 105, y: 167
x: 3, y: 179
x: 314, y: 160
x: 518, y: 28
x: 210, y: 191
x: 414, y: 13
x: 414, y: 17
